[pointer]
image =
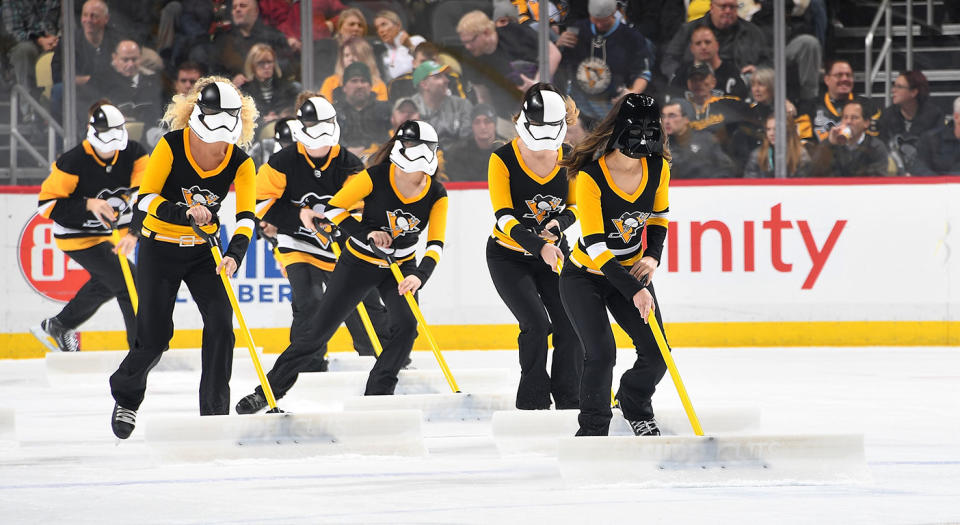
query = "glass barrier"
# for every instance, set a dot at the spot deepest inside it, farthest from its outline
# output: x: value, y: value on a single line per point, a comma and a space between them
x: 463, y: 66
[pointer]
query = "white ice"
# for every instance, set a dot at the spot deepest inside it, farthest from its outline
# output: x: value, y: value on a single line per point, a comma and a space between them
x: 66, y: 466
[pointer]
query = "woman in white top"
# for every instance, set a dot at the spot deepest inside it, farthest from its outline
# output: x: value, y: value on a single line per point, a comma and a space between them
x: 398, y: 56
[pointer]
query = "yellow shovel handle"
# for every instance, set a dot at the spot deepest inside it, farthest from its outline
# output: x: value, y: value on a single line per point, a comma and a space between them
x: 395, y: 269
x: 248, y: 337
x: 127, y: 274
x: 674, y: 374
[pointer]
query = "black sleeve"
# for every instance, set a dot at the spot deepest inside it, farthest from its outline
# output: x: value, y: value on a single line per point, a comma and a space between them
x: 237, y: 248
x: 71, y: 212
x: 566, y: 219
x: 655, y: 237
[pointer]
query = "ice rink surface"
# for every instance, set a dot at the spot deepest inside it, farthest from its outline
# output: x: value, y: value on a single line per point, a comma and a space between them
x: 65, y: 466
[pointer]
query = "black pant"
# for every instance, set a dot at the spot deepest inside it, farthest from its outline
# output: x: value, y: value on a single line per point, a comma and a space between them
x: 162, y: 267
x: 587, y: 297
x: 306, y: 288
x: 530, y: 290
x: 351, y: 281
x: 106, y: 282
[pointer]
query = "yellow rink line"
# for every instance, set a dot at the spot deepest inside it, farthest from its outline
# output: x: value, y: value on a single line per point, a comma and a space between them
x: 501, y: 336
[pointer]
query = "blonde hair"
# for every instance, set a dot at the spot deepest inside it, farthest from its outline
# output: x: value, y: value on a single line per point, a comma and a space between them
x: 474, y: 23
x: 303, y: 96
x: 256, y: 53
x: 363, y: 52
x: 177, y: 115
x: 389, y: 15
x: 351, y: 12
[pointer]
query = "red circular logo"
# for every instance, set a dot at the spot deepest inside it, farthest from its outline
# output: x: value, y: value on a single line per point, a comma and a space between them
x: 48, y: 270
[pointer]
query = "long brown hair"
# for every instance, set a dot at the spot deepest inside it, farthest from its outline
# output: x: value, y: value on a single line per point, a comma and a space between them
x: 383, y: 153
x: 794, y: 147
x: 597, y: 144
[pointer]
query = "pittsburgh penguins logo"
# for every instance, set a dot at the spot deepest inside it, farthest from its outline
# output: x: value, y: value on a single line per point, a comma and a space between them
x: 309, y: 200
x: 541, y: 207
x: 401, y: 223
x: 118, y: 199
x: 629, y: 225
x: 326, y: 234
x: 198, y: 195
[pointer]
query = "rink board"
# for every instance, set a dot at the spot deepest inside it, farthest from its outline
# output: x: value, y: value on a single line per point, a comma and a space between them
x: 438, y: 407
x: 708, y: 460
x: 195, y: 438
x: 540, y: 431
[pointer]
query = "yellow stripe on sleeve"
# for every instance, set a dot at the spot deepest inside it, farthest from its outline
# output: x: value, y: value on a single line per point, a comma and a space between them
x: 245, y: 184
x: 352, y: 192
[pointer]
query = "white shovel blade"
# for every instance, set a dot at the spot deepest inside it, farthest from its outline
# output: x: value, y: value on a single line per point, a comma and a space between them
x: 8, y: 425
x: 437, y: 407
x: 195, y: 438
x: 340, y: 385
x: 538, y: 431
x: 713, y: 460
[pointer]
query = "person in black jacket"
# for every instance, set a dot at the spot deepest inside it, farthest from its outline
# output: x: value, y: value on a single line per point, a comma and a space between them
x: 940, y: 148
x: 910, y: 116
x: 263, y: 80
x: 696, y: 154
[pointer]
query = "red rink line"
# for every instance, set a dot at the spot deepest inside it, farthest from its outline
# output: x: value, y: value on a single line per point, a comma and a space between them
x: 844, y: 181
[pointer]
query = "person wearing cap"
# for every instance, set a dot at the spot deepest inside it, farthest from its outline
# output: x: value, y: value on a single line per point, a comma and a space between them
x: 364, y: 120
x: 705, y: 49
x: 712, y: 111
x: 293, y: 188
x: 604, y: 58
x: 467, y: 158
x: 189, y: 175
x: 448, y: 114
x: 403, y: 202
x: 402, y: 86
x: 696, y: 154
x: 504, y: 60
x: 89, y: 188
x: 404, y: 109
x: 353, y: 50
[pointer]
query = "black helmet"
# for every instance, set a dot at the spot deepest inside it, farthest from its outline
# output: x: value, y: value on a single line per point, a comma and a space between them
x: 282, y: 132
x: 637, y: 131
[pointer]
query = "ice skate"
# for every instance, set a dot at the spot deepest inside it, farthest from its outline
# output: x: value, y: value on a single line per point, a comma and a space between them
x: 55, y: 337
x: 252, y: 403
x: 644, y: 427
x: 123, y: 421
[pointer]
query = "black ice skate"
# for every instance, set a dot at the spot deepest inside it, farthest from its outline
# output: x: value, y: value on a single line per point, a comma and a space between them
x: 64, y: 339
x: 123, y: 421
x: 252, y: 403
x: 645, y: 427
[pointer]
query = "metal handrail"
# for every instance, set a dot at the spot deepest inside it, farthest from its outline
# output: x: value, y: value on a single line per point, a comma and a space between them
x: 870, y: 72
x: 17, y: 139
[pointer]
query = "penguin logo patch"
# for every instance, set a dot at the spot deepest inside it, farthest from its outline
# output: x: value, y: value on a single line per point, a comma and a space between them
x: 198, y: 195
x: 312, y: 200
x: 542, y: 206
x: 325, y: 237
x: 118, y: 199
x: 629, y: 225
x: 401, y: 223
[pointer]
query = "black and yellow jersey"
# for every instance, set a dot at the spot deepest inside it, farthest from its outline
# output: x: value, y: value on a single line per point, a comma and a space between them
x: 173, y: 182
x: 291, y: 180
x: 78, y: 175
x: 524, y: 202
x: 385, y: 209
x: 612, y: 221
x: 826, y: 114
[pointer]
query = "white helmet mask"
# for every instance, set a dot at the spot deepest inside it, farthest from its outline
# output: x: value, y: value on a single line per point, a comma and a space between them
x: 416, y: 147
x: 318, y: 124
x: 216, y: 115
x: 542, y: 123
x: 107, y: 130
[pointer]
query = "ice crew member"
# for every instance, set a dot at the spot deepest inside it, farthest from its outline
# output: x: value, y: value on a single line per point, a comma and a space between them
x: 188, y: 176
x: 292, y: 189
x: 89, y: 187
x: 532, y: 201
x: 401, y: 200
x: 622, y: 174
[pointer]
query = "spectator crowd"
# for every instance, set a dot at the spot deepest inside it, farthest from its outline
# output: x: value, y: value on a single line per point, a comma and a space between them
x: 462, y: 67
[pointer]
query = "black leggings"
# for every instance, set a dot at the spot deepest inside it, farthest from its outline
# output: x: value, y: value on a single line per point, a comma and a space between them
x: 163, y: 266
x: 351, y: 281
x: 307, y: 283
x: 587, y: 297
x: 530, y: 290
x: 106, y: 282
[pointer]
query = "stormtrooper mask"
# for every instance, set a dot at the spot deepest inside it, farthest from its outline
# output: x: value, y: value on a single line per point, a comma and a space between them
x: 318, y: 124
x: 637, y: 132
x: 415, y: 148
x: 542, y: 122
x: 216, y: 115
x: 283, y: 133
x: 107, y: 131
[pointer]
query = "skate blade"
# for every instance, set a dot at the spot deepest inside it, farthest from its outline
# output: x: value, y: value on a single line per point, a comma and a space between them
x: 45, y: 340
